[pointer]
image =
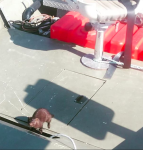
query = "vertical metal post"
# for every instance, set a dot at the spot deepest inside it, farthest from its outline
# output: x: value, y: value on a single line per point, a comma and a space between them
x: 129, y: 39
x: 95, y: 60
x: 99, y: 44
x: 129, y: 34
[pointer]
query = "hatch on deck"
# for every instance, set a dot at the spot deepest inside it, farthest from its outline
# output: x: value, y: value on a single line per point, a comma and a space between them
x: 60, y: 96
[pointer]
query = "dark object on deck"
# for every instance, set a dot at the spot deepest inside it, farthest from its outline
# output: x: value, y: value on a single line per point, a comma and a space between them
x: 30, y: 10
x: 89, y: 27
x: 81, y: 99
x: 39, y: 117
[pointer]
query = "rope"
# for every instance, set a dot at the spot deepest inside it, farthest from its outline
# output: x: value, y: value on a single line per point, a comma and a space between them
x: 66, y: 137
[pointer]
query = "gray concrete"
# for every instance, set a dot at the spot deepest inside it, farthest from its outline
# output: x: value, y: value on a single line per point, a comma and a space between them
x: 40, y: 72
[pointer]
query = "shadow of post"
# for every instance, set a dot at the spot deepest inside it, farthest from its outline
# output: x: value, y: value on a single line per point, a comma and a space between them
x: 36, y: 42
x: 132, y: 142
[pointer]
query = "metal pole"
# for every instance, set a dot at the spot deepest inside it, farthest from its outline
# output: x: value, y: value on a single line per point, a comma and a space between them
x: 99, y: 44
x: 95, y: 60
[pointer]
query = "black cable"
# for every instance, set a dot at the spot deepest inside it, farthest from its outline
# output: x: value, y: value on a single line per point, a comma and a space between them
x: 35, y: 26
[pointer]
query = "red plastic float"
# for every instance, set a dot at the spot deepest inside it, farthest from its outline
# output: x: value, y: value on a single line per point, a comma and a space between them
x: 70, y: 28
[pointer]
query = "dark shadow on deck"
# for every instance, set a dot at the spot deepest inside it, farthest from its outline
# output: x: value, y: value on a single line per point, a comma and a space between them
x: 132, y: 142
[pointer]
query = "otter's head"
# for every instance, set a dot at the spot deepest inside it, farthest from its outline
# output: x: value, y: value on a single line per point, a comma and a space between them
x: 34, y: 123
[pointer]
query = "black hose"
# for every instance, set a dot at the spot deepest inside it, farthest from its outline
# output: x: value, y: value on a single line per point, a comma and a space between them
x: 30, y: 10
x: 32, y: 27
